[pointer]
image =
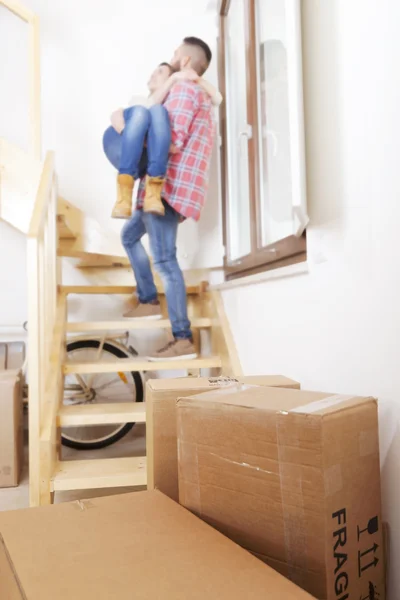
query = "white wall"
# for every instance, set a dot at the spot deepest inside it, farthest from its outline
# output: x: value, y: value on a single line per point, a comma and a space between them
x: 338, y: 327
x: 95, y: 55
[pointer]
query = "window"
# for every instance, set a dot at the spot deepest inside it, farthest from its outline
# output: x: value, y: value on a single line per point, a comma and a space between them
x: 263, y: 156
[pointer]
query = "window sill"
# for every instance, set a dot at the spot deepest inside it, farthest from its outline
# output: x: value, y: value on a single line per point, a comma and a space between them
x: 282, y: 273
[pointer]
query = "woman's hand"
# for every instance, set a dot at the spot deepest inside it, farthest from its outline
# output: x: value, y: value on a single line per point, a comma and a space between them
x: 117, y: 120
x: 186, y: 75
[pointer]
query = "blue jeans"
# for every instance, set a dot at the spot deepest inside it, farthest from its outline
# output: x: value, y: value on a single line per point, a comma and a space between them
x: 162, y: 233
x: 126, y: 151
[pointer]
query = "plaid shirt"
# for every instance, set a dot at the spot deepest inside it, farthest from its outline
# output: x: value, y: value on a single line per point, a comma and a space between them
x: 192, y: 128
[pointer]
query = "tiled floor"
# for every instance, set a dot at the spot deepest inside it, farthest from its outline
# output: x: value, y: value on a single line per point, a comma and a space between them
x: 133, y: 444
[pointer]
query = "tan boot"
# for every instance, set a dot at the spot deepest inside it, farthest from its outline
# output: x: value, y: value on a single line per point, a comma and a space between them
x: 152, y: 200
x: 123, y: 206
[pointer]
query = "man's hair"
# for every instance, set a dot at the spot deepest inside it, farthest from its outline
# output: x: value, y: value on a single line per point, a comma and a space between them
x: 201, y: 61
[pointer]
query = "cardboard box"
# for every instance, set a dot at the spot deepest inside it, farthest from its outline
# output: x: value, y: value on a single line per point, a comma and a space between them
x: 11, y: 428
x: 141, y: 545
x: 293, y: 477
x: 161, y: 397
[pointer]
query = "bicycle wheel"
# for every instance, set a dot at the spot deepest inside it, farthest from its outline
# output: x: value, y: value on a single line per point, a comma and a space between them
x: 103, y: 388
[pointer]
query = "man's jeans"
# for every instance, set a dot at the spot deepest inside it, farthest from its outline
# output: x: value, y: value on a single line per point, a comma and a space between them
x: 162, y: 233
x: 126, y: 151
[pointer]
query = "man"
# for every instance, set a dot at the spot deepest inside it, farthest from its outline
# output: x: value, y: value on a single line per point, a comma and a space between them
x: 192, y: 129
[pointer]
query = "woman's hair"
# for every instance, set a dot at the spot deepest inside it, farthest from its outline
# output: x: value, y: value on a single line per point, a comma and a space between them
x: 170, y: 67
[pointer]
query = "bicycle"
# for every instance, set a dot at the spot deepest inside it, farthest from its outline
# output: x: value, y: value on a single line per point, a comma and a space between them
x: 101, y: 388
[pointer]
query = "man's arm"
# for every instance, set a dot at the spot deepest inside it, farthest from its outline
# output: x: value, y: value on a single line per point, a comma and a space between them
x: 182, y: 105
x: 191, y: 75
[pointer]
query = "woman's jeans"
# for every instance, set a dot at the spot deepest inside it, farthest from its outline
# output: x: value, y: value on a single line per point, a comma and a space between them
x: 126, y: 151
x: 162, y: 231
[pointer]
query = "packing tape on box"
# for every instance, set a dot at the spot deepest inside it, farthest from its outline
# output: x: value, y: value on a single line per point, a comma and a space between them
x: 83, y: 504
x: 328, y: 402
x: 292, y: 484
x: 291, y: 488
x: 242, y: 464
x: 333, y: 480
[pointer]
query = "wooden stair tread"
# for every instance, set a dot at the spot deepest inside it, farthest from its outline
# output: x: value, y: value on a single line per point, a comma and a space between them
x: 99, y: 473
x: 102, y: 414
x: 127, y: 324
x: 137, y: 364
x: 120, y: 289
x: 134, y: 364
x: 71, y: 248
x: 123, y: 365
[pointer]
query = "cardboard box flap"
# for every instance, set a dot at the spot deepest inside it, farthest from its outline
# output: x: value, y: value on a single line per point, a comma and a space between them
x: 204, y: 383
x: 140, y: 545
x: 275, y: 400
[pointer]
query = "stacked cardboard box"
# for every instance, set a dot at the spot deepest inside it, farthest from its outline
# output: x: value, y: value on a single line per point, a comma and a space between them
x: 293, y: 477
x: 161, y: 434
x: 140, y: 545
x: 11, y: 410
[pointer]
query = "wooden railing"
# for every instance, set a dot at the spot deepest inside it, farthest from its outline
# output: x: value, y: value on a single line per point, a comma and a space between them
x: 46, y: 308
x: 44, y: 344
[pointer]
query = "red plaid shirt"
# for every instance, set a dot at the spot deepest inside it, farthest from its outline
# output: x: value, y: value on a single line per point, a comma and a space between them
x: 192, y: 127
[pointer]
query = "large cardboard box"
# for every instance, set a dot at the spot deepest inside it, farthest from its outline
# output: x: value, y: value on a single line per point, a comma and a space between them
x: 11, y: 428
x: 293, y: 477
x: 142, y: 546
x: 161, y: 443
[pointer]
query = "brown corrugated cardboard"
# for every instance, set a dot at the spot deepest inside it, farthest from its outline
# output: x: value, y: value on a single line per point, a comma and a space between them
x: 161, y: 396
x: 141, y: 546
x: 293, y: 477
x: 11, y: 424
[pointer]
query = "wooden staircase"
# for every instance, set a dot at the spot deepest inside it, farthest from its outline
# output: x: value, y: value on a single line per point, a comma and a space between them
x: 56, y: 230
x: 125, y: 472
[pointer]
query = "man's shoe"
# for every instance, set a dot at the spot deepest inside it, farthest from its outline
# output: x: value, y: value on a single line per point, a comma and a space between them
x: 152, y: 200
x: 123, y: 206
x: 174, y: 350
x: 149, y: 311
